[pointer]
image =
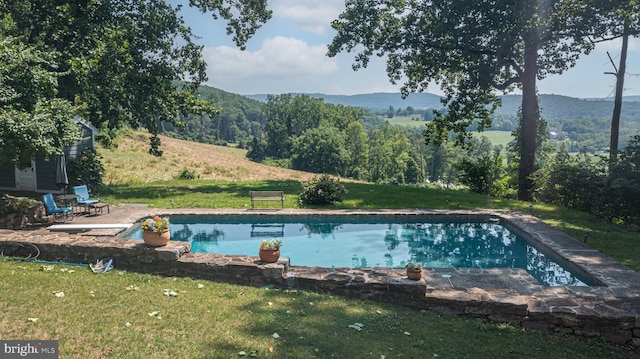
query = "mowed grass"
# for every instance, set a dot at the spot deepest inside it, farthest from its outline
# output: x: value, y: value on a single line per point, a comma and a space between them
x: 132, y: 315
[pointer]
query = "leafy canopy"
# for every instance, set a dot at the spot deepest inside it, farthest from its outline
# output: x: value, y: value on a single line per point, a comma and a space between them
x: 32, y: 119
x: 471, y: 49
x: 119, y: 60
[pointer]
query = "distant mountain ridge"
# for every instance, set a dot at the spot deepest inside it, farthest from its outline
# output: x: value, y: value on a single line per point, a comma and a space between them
x: 552, y: 106
x: 374, y: 101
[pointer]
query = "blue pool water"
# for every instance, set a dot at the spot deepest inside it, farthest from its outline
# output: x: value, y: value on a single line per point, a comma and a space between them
x: 378, y: 241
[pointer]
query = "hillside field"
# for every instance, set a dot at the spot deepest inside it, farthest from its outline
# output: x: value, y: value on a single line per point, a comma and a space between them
x: 497, y: 138
x: 131, y: 163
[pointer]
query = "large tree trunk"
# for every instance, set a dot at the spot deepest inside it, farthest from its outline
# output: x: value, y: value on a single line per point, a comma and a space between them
x: 617, y: 107
x: 529, y: 121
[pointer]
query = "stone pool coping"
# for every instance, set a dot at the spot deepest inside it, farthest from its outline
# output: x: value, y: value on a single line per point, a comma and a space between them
x: 610, y: 310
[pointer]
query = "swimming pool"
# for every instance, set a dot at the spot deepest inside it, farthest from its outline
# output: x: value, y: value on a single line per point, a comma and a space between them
x: 373, y: 241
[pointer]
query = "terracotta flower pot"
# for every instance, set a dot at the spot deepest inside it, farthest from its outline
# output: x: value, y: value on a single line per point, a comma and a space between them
x: 269, y: 255
x: 155, y: 239
x: 414, y: 274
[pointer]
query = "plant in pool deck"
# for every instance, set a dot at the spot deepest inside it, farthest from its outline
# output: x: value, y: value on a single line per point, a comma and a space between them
x: 414, y: 270
x: 270, y: 250
x: 413, y: 266
x: 271, y: 245
x: 156, y: 224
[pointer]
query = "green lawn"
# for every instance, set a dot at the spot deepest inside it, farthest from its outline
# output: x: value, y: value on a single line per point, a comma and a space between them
x: 132, y: 315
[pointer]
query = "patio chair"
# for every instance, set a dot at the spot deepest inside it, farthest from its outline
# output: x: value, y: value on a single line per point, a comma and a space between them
x: 52, y: 209
x: 83, y: 200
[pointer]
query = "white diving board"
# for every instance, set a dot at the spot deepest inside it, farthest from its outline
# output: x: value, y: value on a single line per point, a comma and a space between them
x: 87, y: 227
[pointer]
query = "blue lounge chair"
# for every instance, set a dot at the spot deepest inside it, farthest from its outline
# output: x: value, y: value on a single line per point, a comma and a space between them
x: 82, y: 197
x: 52, y: 208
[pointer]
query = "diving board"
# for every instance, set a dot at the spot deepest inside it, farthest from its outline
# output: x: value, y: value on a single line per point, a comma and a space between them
x: 87, y: 227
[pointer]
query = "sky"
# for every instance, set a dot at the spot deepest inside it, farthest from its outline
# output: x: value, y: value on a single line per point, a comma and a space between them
x: 288, y: 55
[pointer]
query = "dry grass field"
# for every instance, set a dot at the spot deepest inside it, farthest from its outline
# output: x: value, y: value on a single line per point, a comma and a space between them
x: 131, y: 162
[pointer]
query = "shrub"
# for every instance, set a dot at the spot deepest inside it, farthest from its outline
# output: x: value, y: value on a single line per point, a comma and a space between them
x: 322, y: 190
x: 484, y: 175
x: 186, y: 175
x: 86, y: 169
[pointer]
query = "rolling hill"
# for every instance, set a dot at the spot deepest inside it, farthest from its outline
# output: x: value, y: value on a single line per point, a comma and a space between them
x: 552, y: 106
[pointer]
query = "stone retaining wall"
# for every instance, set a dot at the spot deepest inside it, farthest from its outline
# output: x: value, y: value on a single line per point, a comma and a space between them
x: 380, y: 284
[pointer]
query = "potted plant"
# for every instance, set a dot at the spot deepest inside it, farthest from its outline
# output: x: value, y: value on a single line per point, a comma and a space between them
x: 414, y: 270
x: 270, y: 250
x: 155, y: 231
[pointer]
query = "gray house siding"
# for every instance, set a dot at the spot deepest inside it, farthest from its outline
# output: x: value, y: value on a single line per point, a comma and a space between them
x: 45, y: 170
x: 86, y: 141
x: 7, y: 177
x: 46, y: 175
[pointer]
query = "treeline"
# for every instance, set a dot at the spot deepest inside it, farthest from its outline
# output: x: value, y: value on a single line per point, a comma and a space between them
x: 584, y: 133
x: 305, y: 133
x: 239, y: 119
x: 242, y: 118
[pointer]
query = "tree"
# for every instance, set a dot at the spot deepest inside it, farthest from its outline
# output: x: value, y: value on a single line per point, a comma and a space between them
x: 471, y: 49
x: 483, y: 174
x: 32, y: 119
x: 358, y: 150
x: 119, y: 60
x: 622, y: 23
x: 321, y: 150
x: 289, y: 116
x: 388, y: 154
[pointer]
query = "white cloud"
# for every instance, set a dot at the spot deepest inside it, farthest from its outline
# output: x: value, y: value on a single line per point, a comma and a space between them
x: 311, y: 16
x: 278, y: 59
x: 614, y: 46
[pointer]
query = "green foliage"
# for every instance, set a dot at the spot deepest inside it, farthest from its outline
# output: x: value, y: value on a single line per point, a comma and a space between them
x: 10, y: 204
x: 186, y: 174
x: 154, y: 148
x: 483, y: 174
x: 571, y: 181
x: 238, y: 119
x: 585, y: 184
x: 32, y: 120
x: 119, y: 60
x: 413, y: 174
x: 623, y: 187
x: 472, y: 49
x: 86, y: 169
x: 289, y: 117
x: 388, y: 154
x: 320, y: 150
x: 322, y: 190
